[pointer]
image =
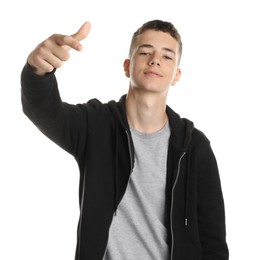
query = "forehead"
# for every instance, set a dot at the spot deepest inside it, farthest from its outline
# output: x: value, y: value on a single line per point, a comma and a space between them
x: 157, y: 39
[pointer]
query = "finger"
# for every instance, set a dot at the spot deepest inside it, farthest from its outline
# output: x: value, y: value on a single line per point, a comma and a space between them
x: 54, y: 61
x: 67, y: 42
x: 43, y: 67
x: 44, y: 61
x: 82, y: 32
x: 58, y: 51
x: 73, y: 41
x: 40, y: 65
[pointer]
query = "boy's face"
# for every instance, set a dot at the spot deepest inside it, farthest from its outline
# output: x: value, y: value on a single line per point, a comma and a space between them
x: 153, y: 65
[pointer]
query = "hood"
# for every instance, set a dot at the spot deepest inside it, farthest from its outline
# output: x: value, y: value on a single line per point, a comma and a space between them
x: 181, y: 135
x: 181, y: 128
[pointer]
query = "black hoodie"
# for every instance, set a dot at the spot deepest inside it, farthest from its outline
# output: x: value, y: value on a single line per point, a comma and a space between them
x: 99, y: 138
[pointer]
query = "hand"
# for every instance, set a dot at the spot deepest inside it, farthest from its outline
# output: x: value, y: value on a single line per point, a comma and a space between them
x: 52, y: 52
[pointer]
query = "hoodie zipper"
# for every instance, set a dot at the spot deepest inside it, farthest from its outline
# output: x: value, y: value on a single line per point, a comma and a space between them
x: 172, y: 202
x: 130, y: 152
x: 131, y: 165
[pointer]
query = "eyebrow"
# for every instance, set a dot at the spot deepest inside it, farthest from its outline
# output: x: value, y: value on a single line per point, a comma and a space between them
x: 151, y: 46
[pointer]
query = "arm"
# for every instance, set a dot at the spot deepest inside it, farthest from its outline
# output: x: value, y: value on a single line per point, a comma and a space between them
x: 211, y: 213
x: 41, y: 101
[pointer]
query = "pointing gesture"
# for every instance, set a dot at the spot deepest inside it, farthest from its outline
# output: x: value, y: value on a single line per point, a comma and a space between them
x: 52, y: 52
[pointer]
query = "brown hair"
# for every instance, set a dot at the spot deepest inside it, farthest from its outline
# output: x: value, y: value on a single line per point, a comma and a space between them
x: 157, y: 25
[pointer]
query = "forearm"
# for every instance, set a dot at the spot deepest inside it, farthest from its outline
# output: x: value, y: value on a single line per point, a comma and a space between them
x: 63, y: 123
x: 42, y: 104
x: 39, y: 94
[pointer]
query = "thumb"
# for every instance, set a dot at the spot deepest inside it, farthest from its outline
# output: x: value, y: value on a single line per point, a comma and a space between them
x: 82, y: 33
x: 73, y: 41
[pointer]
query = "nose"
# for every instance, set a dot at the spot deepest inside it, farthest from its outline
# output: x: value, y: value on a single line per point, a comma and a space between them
x: 151, y: 63
x: 154, y: 60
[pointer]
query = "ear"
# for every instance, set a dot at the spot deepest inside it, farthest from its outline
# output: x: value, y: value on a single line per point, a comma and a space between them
x: 177, y: 76
x: 126, y: 67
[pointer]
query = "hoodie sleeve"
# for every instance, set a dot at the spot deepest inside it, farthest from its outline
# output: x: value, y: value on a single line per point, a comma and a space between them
x: 63, y: 123
x: 211, y: 213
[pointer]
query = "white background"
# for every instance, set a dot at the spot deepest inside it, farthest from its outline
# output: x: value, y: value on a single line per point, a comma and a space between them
x: 39, y: 181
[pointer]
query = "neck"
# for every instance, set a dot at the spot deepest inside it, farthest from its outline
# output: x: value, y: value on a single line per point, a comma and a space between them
x: 147, y: 112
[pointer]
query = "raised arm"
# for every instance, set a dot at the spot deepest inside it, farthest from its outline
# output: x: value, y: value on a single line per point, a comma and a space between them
x: 63, y: 123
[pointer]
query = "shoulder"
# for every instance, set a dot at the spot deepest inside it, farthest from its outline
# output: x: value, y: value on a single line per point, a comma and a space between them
x: 200, y: 137
x: 95, y: 106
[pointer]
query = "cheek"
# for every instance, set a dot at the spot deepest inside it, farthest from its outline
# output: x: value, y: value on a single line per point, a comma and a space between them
x: 172, y: 72
x: 133, y: 71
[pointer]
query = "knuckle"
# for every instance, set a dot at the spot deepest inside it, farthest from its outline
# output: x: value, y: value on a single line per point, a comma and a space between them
x: 58, y: 64
x: 45, y: 45
x: 37, y: 57
x: 49, y: 68
x: 53, y: 36
x: 40, y: 51
x: 66, y: 56
x: 65, y: 37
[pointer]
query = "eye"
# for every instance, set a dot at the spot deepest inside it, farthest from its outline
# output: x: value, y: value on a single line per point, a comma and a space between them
x: 144, y: 53
x: 168, y: 57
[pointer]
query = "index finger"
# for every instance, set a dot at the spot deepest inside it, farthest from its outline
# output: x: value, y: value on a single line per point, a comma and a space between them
x: 82, y: 33
x: 73, y: 41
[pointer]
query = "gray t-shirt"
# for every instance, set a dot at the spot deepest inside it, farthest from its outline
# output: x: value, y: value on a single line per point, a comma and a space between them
x: 138, y: 231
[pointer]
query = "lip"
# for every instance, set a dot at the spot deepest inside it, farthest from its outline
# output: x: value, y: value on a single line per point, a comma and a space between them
x: 152, y: 73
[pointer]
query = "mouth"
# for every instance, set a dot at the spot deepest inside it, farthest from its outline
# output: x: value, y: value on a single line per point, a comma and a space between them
x: 152, y: 73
